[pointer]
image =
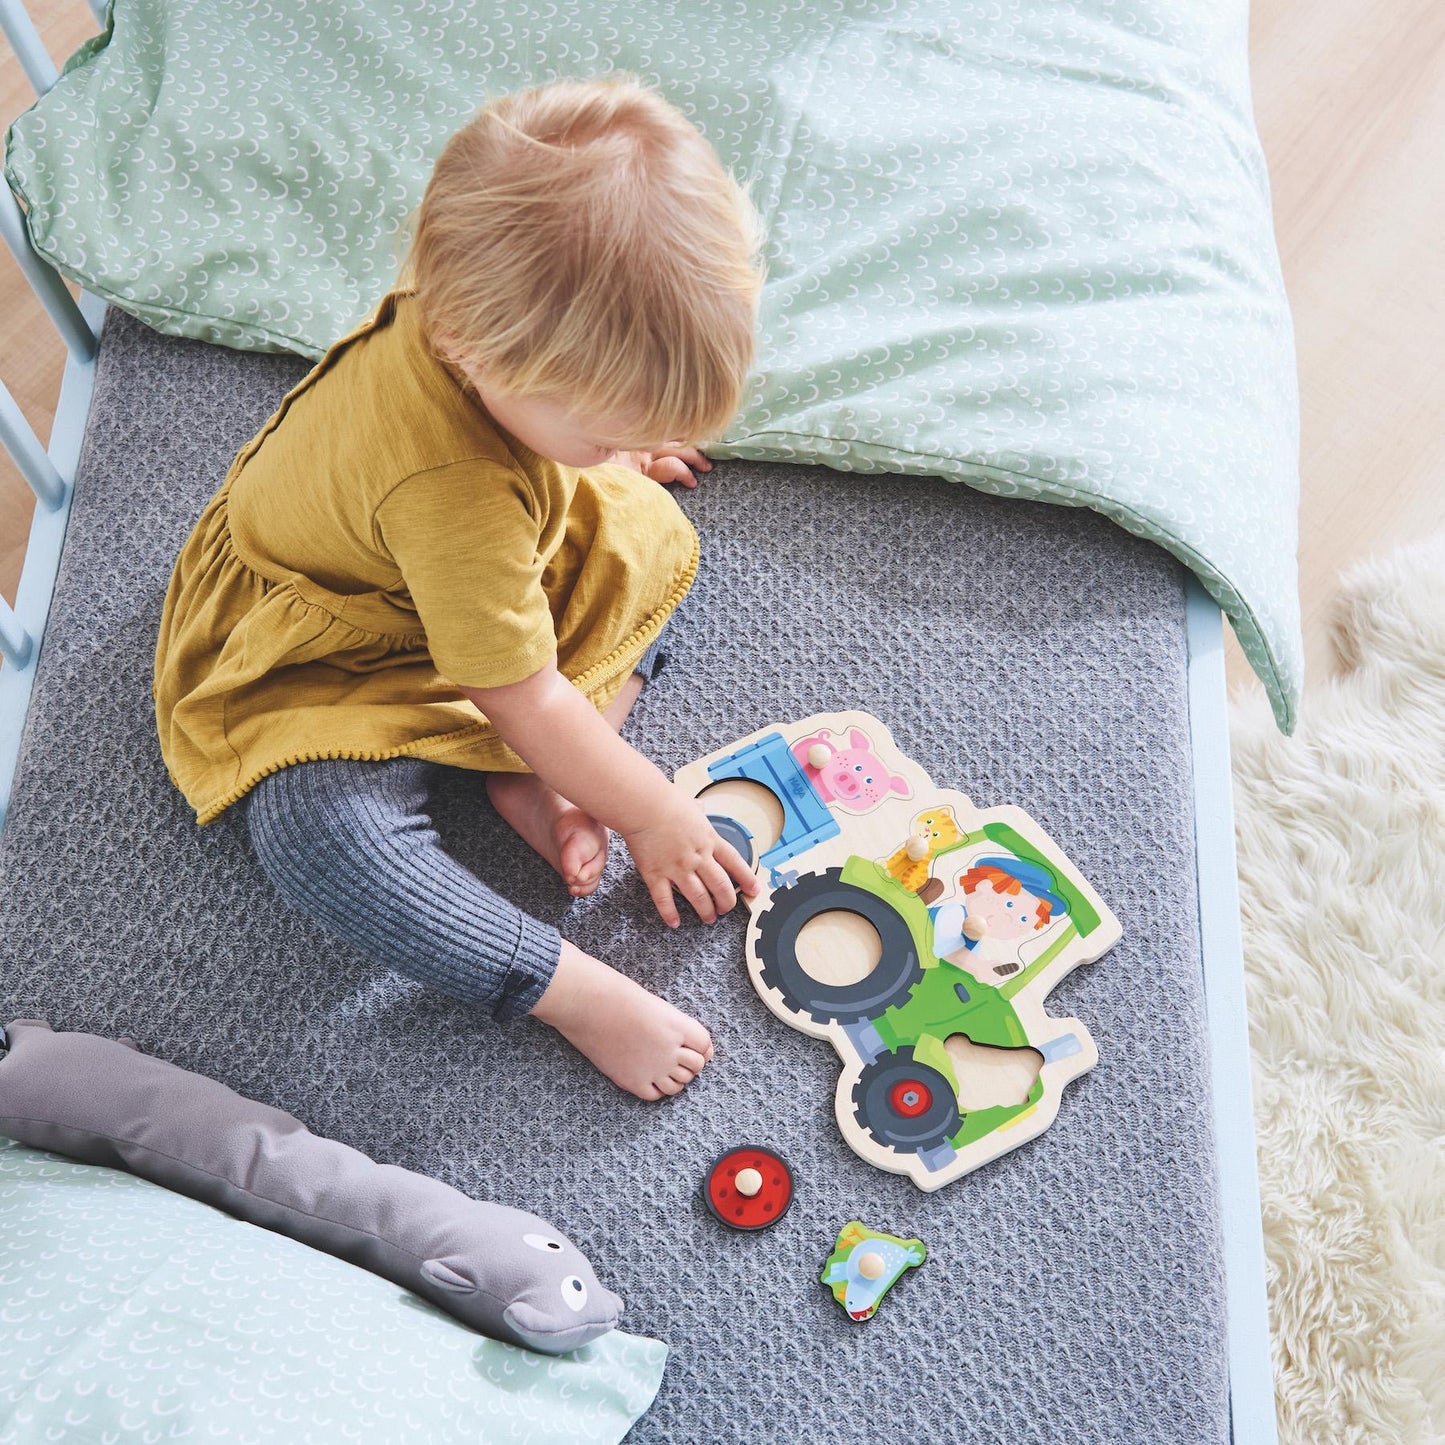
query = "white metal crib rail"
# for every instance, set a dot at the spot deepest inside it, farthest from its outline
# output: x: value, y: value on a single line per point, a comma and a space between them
x: 49, y: 471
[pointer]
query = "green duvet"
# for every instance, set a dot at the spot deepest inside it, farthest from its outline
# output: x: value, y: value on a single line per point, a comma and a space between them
x: 1023, y: 244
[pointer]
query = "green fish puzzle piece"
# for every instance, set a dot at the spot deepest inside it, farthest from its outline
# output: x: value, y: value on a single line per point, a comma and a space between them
x: 865, y: 1264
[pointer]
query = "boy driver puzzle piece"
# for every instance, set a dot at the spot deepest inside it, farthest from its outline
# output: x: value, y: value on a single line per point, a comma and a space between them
x: 916, y: 932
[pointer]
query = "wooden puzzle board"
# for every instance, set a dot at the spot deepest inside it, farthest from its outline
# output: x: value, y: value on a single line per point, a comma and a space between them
x: 916, y: 932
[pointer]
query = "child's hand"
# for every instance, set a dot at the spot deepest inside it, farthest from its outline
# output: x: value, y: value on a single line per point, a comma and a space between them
x: 666, y: 464
x: 681, y: 850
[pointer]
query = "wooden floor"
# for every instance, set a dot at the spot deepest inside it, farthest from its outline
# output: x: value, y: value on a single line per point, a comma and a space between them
x: 31, y: 358
x: 1350, y: 97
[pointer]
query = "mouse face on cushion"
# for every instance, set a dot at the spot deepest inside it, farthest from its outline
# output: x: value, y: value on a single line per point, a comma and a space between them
x: 534, y: 1286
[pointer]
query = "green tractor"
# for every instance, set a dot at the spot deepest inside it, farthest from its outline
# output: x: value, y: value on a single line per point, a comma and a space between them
x: 897, y: 1018
x: 892, y: 1026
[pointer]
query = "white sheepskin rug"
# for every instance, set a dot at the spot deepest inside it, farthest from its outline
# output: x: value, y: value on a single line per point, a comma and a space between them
x: 1342, y: 874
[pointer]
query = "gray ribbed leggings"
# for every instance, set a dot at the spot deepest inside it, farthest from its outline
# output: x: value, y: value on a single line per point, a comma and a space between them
x: 350, y: 845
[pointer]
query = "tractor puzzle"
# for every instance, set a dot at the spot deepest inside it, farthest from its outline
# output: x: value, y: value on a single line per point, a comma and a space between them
x: 977, y: 913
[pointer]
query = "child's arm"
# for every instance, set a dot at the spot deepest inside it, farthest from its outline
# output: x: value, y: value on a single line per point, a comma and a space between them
x: 571, y: 747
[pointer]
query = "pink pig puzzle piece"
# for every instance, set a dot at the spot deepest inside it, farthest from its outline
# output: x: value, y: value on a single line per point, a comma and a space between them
x: 854, y: 777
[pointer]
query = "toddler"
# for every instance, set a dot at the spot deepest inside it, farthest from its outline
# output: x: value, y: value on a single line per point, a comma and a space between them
x: 448, y: 547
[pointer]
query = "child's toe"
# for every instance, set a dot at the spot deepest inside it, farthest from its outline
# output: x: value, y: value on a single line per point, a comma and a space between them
x: 697, y: 1038
x: 581, y: 852
x: 690, y: 1060
x: 669, y: 1085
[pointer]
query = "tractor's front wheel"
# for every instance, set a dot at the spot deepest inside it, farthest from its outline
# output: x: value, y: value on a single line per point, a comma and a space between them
x: 906, y: 1105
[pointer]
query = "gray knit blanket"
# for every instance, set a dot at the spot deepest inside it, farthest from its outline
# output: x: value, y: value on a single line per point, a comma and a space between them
x: 1073, y: 1289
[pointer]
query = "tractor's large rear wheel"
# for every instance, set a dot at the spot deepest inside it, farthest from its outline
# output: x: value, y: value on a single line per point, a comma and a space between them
x: 814, y: 894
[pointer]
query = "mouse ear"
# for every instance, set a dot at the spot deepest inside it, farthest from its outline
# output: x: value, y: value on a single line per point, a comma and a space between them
x: 440, y: 1273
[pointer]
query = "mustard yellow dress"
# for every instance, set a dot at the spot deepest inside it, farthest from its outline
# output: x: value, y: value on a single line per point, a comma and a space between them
x: 381, y: 541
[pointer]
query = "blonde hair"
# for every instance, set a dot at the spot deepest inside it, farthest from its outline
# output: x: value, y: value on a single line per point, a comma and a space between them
x: 582, y: 242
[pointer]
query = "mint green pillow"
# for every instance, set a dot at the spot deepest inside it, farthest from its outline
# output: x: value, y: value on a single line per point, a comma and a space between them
x: 1024, y: 246
x: 126, y: 1310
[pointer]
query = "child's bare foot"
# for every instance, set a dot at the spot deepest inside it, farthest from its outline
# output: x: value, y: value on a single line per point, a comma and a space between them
x: 638, y: 1040
x: 572, y: 841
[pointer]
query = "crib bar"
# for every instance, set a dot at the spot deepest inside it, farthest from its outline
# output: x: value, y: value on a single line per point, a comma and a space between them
x: 15, y: 642
x: 28, y: 454
x: 42, y: 557
x: 25, y: 41
x: 74, y: 329
x: 1251, y: 1374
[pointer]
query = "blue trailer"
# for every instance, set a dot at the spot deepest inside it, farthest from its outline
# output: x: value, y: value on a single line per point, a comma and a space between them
x: 770, y: 763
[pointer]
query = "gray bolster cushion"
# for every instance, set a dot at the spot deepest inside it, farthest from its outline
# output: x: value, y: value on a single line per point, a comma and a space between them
x: 502, y: 1271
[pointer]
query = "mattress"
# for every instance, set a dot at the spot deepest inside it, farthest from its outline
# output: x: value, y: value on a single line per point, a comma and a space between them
x: 1020, y: 652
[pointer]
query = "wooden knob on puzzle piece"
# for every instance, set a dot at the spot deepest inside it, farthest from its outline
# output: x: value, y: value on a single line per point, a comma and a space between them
x: 870, y: 1265
x: 818, y: 756
x: 974, y: 928
x: 748, y: 1182
x: 917, y: 847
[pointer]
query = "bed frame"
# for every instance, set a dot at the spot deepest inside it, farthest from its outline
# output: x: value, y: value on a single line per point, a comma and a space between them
x: 50, y: 471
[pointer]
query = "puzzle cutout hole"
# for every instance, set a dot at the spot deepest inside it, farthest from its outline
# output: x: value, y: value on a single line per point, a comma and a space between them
x: 989, y: 1077
x: 757, y: 808
x: 838, y: 948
